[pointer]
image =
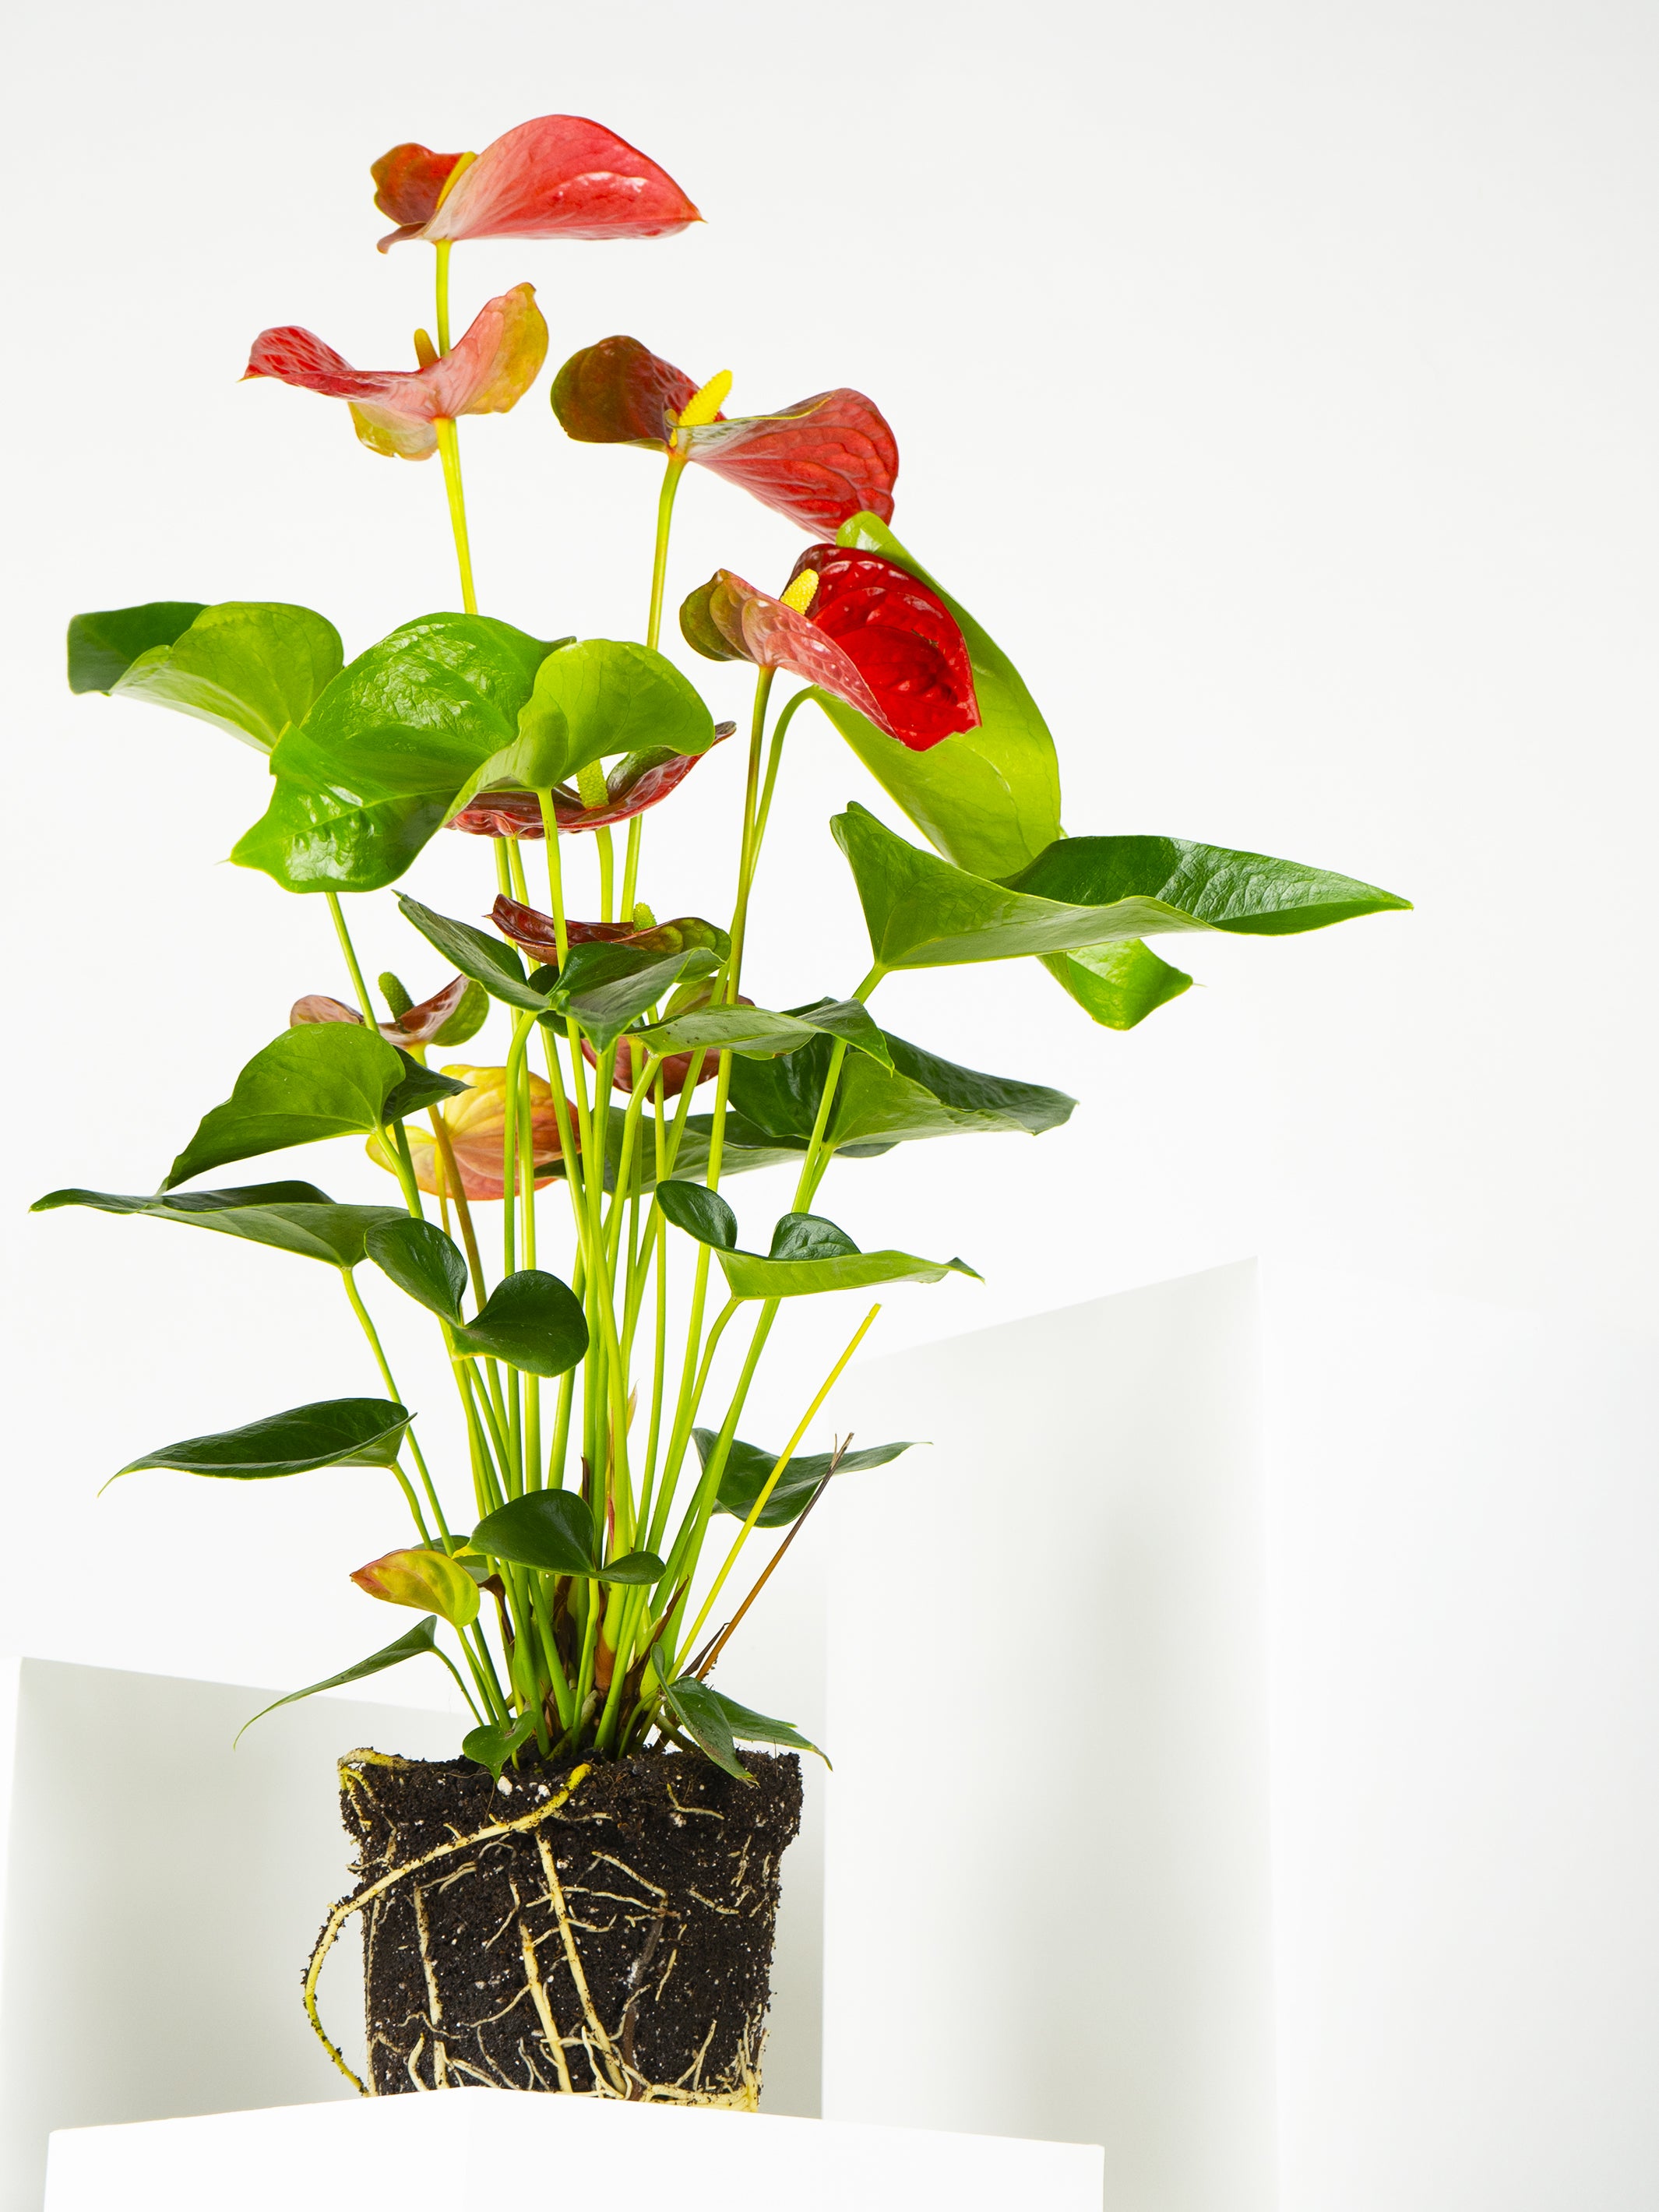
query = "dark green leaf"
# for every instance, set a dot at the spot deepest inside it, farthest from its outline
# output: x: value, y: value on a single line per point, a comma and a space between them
x: 700, y: 1713
x: 421, y: 1638
x: 1200, y: 886
x: 103, y: 646
x: 921, y: 1096
x: 748, y: 1469
x: 366, y: 779
x: 606, y: 986
x: 700, y: 1213
x: 759, y: 1035
x: 828, y: 1260
x: 988, y: 799
x: 252, y: 668
x: 334, y: 1432
x: 421, y: 1087
x: 551, y: 1529
x: 923, y: 912
x: 423, y: 1262
x: 810, y: 1237
x: 634, y: 1567
x: 289, y: 1216
x: 330, y: 1080
x: 748, y: 1726
x: 493, y: 1745
x: 533, y: 1322
x: 599, y: 697
x: 494, y: 966
x: 1117, y: 985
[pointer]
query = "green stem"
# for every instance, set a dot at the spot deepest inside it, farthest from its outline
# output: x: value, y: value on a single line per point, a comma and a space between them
x: 365, y: 1004
x: 442, y: 305
x: 670, y: 484
x: 375, y: 1345
x: 449, y: 450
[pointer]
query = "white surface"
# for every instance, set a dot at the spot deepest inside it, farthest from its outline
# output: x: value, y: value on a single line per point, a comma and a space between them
x: 1461, y: 1682
x: 1077, y: 1943
x: 162, y: 1893
x: 1465, y: 1548
x: 477, y: 2148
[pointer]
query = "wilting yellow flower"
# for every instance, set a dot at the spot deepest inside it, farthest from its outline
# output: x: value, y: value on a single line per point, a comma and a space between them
x: 475, y: 1121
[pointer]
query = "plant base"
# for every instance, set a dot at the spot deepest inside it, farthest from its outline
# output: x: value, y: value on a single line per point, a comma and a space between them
x: 601, y: 1930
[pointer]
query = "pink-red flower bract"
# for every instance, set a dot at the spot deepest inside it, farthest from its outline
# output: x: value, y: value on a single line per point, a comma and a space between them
x: 560, y: 176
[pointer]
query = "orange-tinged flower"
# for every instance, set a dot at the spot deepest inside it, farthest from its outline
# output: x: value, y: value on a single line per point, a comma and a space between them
x: 560, y: 176
x: 818, y: 462
x: 475, y: 1122
x: 484, y: 372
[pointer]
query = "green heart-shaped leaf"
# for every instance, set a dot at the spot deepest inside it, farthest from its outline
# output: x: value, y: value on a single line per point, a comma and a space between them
x: 330, y: 1080
x: 366, y: 779
x: 493, y: 1745
x: 749, y: 1469
x: 923, y: 912
x: 494, y: 966
x: 289, y: 1216
x: 599, y: 697
x: 700, y: 1213
x: 421, y: 1638
x: 758, y: 1035
x: 103, y: 646
x: 533, y: 1322
x: 422, y: 1261
x: 988, y: 799
x: 252, y: 668
x: 1117, y: 985
x: 551, y: 1529
x: 334, y: 1432
x: 606, y: 986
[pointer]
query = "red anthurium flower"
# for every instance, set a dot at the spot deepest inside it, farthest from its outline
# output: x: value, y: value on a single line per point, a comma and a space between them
x: 536, y: 933
x: 817, y: 462
x: 558, y: 177
x: 407, y: 183
x: 484, y: 372
x: 859, y: 626
x: 641, y: 781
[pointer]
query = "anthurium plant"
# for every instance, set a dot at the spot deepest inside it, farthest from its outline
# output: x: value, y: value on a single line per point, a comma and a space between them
x: 555, y: 1200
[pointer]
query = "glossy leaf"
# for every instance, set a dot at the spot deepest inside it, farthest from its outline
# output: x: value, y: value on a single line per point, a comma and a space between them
x: 749, y: 1469
x: 921, y: 1096
x: 420, y: 1577
x: 702, y: 1213
x: 1117, y: 985
x: 494, y: 966
x: 607, y: 987
x: 306, y: 1085
x: 761, y: 1035
x: 923, y: 912
x: 423, y: 1262
x: 334, y: 1432
x: 249, y: 667
x: 641, y: 780
x: 493, y: 1745
x: 289, y: 1216
x: 1200, y: 886
x: 421, y: 1087
x: 601, y: 696
x: 988, y: 798
x: 421, y: 1638
x: 532, y: 1320
x: 809, y: 1254
x: 549, y: 1529
x: 102, y: 647
x: 366, y: 779
x: 748, y: 1726
x: 699, y: 1712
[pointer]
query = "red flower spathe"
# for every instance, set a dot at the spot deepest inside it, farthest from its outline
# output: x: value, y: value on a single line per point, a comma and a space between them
x: 560, y: 176
x: 818, y: 462
x: 484, y: 372
x: 872, y: 634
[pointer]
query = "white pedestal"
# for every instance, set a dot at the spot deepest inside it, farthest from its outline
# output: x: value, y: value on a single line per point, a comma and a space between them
x: 473, y: 2150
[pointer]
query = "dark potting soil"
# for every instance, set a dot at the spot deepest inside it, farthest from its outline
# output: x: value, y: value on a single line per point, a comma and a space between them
x: 606, y: 1930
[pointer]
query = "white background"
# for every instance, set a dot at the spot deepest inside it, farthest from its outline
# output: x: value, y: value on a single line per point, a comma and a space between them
x: 1277, y: 383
